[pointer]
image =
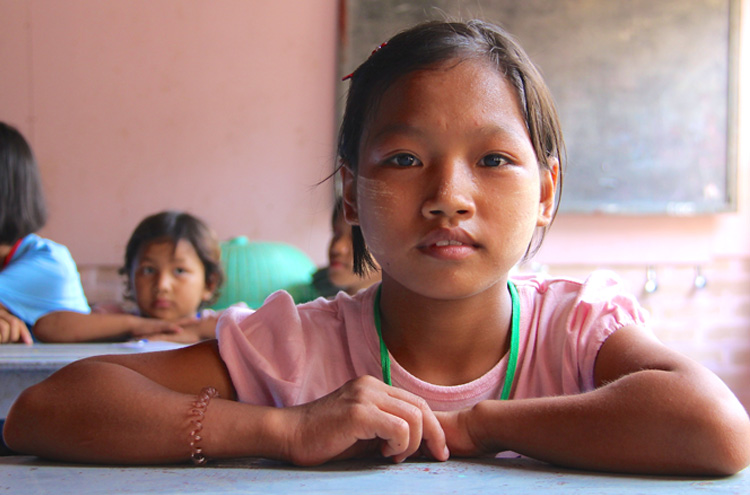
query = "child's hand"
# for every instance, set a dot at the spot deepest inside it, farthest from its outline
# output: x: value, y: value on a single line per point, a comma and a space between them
x: 191, y: 331
x: 153, y: 328
x: 363, y: 416
x: 458, y: 433
x: 12, y: 329
x: 200, y: 328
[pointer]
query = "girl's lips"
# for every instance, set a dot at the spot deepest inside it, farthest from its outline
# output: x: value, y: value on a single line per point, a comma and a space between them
x: 451, y: 252
x: 162, y: 304
x: 448, y: 244
x: 336, y: 264
x: 447, y: 237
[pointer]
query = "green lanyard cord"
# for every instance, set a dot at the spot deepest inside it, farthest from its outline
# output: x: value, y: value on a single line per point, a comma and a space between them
x: 385, y: 360
x: 514, y: 331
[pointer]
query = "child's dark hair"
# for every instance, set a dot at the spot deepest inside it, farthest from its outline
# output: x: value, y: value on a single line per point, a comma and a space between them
x: 22, y: 209
x: 175, y: 226
x: 425, y: 46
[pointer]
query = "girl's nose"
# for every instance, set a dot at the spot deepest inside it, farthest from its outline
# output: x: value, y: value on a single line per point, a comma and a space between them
x: 163, y: 282
x: 340, y: 245
x: 451, y: 193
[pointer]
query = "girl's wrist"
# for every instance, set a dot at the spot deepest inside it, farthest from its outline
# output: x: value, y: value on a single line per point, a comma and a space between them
x: 482, y: 425
x: 233, y: 429
x: 132, y: 326
x: 280, y: 426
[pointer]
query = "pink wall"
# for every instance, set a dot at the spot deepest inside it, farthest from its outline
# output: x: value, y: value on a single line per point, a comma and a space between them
x: 227, y: 109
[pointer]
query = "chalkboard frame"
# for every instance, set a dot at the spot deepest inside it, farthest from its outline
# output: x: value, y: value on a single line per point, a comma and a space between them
x: 655, y: 178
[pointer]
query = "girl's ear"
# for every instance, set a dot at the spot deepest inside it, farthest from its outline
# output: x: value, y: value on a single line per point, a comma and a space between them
x: 349, y: 184
x: 548, y: 183
x: 210, y: 288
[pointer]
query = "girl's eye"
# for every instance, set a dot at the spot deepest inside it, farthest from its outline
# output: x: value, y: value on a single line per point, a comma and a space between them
x: 146, y: 270
x: 494, y: 161
x: 180, y: 271
x: 404, y: 160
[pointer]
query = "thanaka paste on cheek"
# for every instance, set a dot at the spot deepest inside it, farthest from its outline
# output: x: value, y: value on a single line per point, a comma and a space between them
x: 374, y: 194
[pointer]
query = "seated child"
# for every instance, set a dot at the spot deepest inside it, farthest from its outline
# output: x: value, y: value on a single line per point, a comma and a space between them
x: 173, y: 270
x: 451, y: 159
x: 339, y: 275
x: 38, y: 277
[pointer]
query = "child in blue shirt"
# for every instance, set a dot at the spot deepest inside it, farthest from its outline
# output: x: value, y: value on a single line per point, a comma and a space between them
x: 38, y: 277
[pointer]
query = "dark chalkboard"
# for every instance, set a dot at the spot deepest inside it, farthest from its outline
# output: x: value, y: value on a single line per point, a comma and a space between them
x: 646, y: 90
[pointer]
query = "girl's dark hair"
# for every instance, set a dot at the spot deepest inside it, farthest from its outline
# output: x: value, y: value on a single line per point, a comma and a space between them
x: 338, y: 210
x: 425, y: 46
x: 22, y: 209
x: 175, y: 226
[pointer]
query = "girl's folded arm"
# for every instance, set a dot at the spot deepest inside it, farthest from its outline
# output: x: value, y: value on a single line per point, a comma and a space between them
x: 654, y: 411
x: 70, y: 326
x: 136, y: 409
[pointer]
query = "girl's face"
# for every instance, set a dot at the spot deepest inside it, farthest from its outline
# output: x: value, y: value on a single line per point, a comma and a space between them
x: 169, y: 281
x: 448, y: 190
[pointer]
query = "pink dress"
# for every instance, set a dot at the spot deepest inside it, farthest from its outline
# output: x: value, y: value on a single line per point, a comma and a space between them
x: 284, y: 355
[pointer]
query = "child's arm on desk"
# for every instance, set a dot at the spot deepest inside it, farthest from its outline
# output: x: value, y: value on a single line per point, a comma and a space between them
x: 135, y: 409
x: 69, y: 326
x: 654, y: 411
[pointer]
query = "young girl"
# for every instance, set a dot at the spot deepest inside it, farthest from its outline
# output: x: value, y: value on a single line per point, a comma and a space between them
x: 451, y: 154
x: 173, y: 269
x: 38, y: 277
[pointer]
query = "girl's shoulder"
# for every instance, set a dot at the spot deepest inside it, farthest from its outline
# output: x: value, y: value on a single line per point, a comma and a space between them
x: 280, y: 314
x: 284, y: 344
x: 601, y: 293
x: 35, y: 246
x: 598, y: 285
x: 564, y: 323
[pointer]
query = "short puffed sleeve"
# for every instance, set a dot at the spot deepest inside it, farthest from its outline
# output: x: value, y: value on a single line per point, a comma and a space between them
x: 263, y: 350
x: 564, y: 324
x: 601, y: 307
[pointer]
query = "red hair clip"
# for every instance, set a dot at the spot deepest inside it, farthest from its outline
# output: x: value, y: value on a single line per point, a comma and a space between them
x: 373, y: 53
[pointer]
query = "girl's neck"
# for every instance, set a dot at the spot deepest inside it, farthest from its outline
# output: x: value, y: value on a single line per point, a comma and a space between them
x: 446, y: 342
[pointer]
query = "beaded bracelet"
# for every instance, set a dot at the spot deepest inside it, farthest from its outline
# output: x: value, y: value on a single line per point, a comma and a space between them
x: 197, y: 413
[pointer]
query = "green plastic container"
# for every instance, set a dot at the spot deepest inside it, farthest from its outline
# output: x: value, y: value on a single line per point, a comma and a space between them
x: 255, y: 270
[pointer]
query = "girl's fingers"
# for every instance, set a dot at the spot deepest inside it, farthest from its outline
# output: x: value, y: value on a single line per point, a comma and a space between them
x: 4, y: 331
x: 401, y: 419
x: 361, y: 412
x: 423, y: 426
x: 26, y: 335
x: 19, y: 332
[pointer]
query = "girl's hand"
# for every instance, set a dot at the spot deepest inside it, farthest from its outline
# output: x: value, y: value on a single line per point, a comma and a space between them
x: 12, y: 329
x: 153, y: 328
x: 192, y: 330
x: 459, y: 435
x: 202, y: 328
x: 363, y: 416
